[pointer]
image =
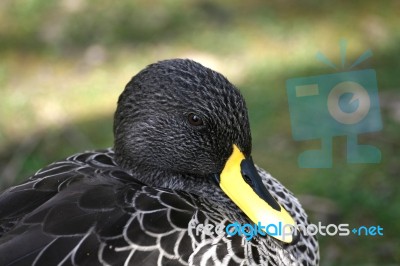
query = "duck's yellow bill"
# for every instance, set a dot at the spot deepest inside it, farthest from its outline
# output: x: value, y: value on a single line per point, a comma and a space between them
x: 242, y: 184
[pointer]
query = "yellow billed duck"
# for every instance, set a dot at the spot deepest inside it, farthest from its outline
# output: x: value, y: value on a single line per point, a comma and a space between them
x: 180, y: 169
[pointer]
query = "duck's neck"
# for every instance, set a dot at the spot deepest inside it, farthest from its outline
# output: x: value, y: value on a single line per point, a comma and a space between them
x: 202, y: 186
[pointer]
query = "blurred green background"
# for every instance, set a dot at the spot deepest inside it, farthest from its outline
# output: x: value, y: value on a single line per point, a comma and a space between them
x: 63, y: 64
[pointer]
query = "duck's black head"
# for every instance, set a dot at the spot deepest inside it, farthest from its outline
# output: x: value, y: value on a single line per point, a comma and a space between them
x: 181, y: 117
x: 182, y: 126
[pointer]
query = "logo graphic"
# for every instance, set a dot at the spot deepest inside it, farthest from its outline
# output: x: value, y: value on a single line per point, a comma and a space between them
x: 339, y: 104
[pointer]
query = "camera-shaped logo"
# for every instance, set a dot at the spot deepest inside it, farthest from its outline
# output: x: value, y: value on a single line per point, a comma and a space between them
x: 340, y: 104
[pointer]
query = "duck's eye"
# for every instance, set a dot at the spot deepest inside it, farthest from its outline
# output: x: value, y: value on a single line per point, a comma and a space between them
x: 195, y: 120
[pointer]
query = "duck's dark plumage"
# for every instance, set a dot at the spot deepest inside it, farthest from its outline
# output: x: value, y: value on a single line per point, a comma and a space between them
x: 98, y: 208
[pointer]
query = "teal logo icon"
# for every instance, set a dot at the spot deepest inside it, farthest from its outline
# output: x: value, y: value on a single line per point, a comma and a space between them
x: 338, y: 104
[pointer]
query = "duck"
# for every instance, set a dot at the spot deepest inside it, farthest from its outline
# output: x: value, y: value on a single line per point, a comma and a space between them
x: 180, y: 168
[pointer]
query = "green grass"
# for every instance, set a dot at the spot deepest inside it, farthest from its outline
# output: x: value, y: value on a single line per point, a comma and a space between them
x: 64, y: 63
